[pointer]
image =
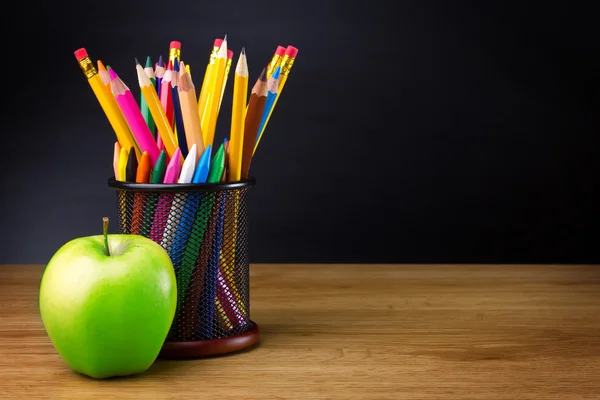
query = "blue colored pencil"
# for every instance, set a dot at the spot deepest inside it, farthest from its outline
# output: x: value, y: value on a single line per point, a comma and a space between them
x: 272, y: 90
x: 212, y: 269
x: 188, y: 215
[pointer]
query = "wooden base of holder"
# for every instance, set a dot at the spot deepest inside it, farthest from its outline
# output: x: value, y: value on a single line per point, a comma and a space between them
x: 202, y: 348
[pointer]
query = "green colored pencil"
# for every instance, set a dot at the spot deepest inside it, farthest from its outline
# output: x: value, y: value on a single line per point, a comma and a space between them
x: 143, y: 105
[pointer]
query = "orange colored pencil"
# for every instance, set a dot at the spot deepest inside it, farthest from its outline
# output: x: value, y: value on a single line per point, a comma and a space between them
x: 142, y: 176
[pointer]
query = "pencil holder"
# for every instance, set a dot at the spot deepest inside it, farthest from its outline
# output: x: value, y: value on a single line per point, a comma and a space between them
x: 204, y: 229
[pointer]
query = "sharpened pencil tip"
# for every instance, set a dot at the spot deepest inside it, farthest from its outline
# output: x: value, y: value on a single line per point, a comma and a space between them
x: 225, y: 38
x: 148, y: 62
x: 263, y: 75
x: 243, y: 50
x: 136, y: 61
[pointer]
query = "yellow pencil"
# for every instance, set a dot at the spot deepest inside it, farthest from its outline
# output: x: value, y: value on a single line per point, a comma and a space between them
x: 238, y: 115
x: 158, y: 113
x: 275, y: 61
x: 189, y: 112
x: 204, y: 89
x: 287, y: 61
x: 107, y: 102
x: 123, y: 164
x: 212, y: 104
x: 227, y: 68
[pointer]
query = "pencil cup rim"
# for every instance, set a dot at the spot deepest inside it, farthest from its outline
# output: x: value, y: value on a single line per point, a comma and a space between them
x: 180, y: 187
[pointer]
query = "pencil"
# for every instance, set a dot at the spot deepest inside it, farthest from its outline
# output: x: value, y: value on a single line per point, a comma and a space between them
x: 143, y: 170
x: 238, y: 114
x: 210, y: 122
x: 189, y: 111
x: 204, y: 89
x: 133, y: 116
x: 169, y: 240
x: 131, y: 167
x: 165, y: 200
x: 107, y: 101
x: 227, y: 68
x: 272, y: 84
x: 139, y: 198
x: 174, y: 51
x: 275, y: 60
x: 256, y: 106
x: 166, y: 96
x: 123, y: 157
x: 159, y: 72
x: 116, y: 156
x: 104, y: 75
x: 158, y: 113
x: 177, y: 118
x: 143, y: 106
x: 172, y: 242
x: 287, y: 61
x: 156, y: 176
x: 194, y: 224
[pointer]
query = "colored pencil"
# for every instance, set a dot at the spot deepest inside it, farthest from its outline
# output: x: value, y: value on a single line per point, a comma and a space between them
x: 156, y: 176
x: 191, y: 223
x: 107, y: 101
x: 256, y: 106
x: 116, y: 156
x: 177, y: 117
x: 143, y: 106
x: 166, y: 96
x: 238, y: 114
x: 104, y: 75
x: 208, y: 129
x: 207, y: 80
x: 169, y: 239
x: 189, y: 111
x: 123, y: 157
x: 142, y: 176
x: 159, y: 72
x: 133, y: 116
x: 272, y: 84
x: 165, y: 200
x: 144, y: 167
x: 204, y: 228
x: 131, y: 167
x: 287, y: 61
x: 158, y: 114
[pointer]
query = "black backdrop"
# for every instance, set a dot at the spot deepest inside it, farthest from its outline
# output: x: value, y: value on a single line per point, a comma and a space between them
x: 424, y: 131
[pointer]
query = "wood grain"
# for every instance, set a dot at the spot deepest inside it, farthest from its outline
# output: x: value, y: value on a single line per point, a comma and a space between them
x: 355, y: 332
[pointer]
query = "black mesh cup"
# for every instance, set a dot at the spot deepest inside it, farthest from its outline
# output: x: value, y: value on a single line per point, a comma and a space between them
x: 204, y: 229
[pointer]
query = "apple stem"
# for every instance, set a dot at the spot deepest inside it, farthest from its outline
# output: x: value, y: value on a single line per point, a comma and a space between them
x: 105, y: 230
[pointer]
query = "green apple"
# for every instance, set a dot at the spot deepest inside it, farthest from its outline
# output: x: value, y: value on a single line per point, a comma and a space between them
x: 107, y: 303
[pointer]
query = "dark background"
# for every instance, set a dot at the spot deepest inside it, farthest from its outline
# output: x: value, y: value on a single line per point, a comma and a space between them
x: 423, y: 131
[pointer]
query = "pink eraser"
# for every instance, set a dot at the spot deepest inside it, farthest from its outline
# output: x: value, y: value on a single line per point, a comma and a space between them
x: 175, y: 45
x: 229, y: 54
x: 218, y: 42
x: 112, y: 73
x: 80, y: 53
x: 291, y: 51
x: 280, y: 51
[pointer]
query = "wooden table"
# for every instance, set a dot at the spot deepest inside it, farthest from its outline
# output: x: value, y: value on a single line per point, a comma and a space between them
x: 355, y: 332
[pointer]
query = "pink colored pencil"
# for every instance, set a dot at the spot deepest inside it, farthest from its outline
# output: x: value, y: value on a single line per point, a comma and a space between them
x: 163, y: 208
x: 228, y: 301
x: 134, y: 117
